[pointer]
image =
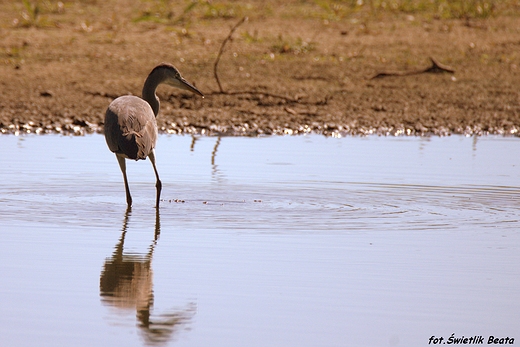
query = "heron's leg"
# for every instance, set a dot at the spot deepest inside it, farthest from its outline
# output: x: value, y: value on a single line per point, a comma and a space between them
x: 158, y: 184
x: 122, y: 165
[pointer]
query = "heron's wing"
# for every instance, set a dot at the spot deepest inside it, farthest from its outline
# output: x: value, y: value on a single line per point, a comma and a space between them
x: 130, y: 127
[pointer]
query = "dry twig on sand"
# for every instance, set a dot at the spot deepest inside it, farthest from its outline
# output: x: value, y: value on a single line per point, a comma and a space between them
x: 221, y: 50
x: 436, y: 67
x: 215, y: 71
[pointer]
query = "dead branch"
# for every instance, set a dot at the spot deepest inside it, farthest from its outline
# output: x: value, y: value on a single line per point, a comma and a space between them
x: 438, y: 67
x: 276, y: 96
x: 222, y: 91
x: 221, y: 50
x: 435, y: 67
x: 295, y: 100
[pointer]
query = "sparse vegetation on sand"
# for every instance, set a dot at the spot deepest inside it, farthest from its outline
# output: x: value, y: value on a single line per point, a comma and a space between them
x: 294, y: 67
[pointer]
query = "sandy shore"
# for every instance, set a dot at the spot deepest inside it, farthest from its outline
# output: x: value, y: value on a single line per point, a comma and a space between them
x: 280, y: 74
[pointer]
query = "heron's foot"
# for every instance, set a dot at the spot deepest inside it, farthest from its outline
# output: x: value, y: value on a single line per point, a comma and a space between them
x: 129, y: 201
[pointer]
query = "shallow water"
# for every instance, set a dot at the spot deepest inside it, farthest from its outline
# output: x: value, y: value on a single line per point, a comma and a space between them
x: 277, y: 241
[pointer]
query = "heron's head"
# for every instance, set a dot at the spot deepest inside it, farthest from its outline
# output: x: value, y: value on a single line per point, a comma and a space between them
x: 173, y: 78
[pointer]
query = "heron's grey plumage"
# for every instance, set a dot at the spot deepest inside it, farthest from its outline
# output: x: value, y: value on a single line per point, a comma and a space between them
x: 130, y: 127
x: 130, y: 124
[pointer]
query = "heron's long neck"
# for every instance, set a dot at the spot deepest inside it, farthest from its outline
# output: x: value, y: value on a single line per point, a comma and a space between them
x: 150, y: 85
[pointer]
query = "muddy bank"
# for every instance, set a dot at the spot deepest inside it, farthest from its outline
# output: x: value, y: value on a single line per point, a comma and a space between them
x: 280, y: 75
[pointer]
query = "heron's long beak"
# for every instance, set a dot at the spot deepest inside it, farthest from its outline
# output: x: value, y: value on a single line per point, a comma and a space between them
x: 181, y: 83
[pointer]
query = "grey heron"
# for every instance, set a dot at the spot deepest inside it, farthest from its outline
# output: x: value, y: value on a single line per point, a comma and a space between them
x: 130, y: 124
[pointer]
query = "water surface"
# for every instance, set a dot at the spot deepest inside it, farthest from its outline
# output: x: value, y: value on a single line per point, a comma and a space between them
x: 277, y: 241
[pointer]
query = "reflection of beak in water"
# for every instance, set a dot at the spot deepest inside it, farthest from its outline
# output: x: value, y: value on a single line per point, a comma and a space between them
x: 127, y: 282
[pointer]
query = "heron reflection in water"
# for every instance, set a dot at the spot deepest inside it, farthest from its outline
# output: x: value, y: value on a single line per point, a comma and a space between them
x: 127, y: 283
